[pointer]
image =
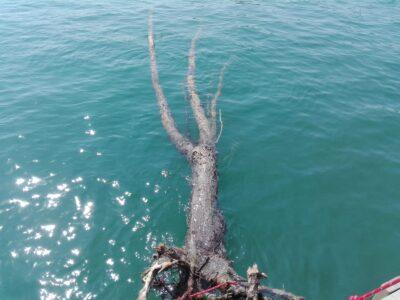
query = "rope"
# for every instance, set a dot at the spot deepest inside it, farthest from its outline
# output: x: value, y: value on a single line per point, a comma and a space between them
x: 376, y: 291
x: 218, y: 286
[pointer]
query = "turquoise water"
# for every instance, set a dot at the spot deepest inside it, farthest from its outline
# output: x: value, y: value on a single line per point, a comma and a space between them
x: 309, y: 156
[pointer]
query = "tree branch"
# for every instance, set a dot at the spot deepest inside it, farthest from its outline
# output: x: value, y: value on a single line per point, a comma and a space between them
x: 213, y: 107
x: 195, y: 102
x: 181, y: 142
x: 151, y: 273
x: 221, y: 126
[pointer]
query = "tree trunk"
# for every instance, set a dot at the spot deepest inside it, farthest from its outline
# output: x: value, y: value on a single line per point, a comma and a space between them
x: 202, y: 264
x: 206, y: 225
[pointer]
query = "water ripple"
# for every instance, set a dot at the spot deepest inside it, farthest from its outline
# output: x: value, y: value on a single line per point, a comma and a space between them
x: 90, y: 183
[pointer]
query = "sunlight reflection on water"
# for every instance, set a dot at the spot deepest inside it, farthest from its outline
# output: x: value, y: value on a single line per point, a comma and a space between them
x: 54, y: 248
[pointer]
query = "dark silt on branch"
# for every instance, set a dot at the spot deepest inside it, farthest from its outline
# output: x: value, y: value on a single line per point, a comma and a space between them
x: 201, y: 263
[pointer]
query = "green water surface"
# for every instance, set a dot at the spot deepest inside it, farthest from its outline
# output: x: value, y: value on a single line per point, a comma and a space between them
x: 309, y: 156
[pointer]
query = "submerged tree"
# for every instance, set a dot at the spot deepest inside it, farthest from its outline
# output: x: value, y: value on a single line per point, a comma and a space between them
x: 200, y: 268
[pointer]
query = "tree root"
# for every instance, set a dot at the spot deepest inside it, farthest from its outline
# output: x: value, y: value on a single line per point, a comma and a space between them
x: 197, y: 285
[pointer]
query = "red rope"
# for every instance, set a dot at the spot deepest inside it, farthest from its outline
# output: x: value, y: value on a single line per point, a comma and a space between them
x: 376, y: 291
x: 221, y: 285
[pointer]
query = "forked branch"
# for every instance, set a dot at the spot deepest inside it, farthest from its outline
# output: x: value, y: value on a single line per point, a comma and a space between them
x: 202, y: 265
x: 180, y: 141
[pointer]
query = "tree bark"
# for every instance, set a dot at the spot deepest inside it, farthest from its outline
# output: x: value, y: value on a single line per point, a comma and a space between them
x: 202, y: 262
